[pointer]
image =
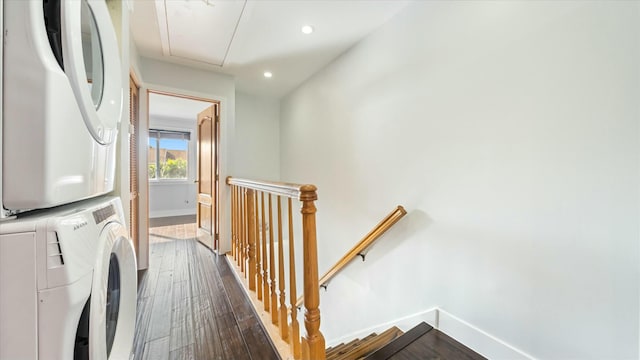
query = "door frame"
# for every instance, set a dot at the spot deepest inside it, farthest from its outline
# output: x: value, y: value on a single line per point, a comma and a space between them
x: 135, y: 228
x: 143, y: 180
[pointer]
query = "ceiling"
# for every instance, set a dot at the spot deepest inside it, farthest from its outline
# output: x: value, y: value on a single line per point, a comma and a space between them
x: 176, y: 108
x: 245, y: 38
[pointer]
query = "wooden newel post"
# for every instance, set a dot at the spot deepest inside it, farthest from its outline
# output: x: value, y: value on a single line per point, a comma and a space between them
x: 252, y: 238
x: 314, y: 339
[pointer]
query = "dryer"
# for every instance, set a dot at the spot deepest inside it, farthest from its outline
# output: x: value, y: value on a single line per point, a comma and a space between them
x: 62, y: 102
x: 68, y: 278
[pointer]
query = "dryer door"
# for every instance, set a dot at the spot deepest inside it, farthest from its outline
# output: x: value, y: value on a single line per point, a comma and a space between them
x: 92, y: 64
x: 113, y: 296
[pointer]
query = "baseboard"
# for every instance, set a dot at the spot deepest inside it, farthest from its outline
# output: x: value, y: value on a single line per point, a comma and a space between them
x: 166, y: 213
x: 429, y: 316
x: 272, y: 331
x: 477, y: 340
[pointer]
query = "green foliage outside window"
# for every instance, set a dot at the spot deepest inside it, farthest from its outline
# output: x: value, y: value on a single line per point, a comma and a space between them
x: 174, y: 169
x: 168, y: 154
x: 152, y: 171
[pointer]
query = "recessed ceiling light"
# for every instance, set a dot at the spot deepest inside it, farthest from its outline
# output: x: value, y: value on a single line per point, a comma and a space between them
x: 268, y: 74
x: 307, y: 29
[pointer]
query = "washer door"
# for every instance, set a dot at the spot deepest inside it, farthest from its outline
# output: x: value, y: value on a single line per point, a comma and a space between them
x: 92, y: 64
x: 112, y: 311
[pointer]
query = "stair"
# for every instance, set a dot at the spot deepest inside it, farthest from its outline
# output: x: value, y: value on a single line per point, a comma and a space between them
x: 420, y: 343
x: 424, y: 342
x: 360, y: 348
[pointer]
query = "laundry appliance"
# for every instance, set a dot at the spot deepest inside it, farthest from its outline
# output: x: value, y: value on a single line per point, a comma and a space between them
x: 62, y: 103
x: 68, y: 278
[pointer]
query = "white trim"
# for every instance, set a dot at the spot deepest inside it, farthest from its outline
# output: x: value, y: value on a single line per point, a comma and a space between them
x: 477, y: 340
x: 272, y: 330
x: 429, y: 316
x: 161, y: 15
x: 3, y: 213
x: 227, y: 126
x: 166, y: 213
x: 166, y: 182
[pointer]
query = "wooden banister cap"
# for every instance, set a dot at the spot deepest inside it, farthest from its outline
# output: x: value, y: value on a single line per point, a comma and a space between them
x: 308, y: 192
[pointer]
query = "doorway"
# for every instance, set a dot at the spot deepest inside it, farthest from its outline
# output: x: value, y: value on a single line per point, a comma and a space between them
x: 182, y: 162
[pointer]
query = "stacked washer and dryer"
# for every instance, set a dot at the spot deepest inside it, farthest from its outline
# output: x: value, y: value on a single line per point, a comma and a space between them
x: 67, y: 267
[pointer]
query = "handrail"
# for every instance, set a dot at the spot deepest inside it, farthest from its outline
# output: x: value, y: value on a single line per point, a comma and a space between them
x: 294, y: 191
x: 368, y: 239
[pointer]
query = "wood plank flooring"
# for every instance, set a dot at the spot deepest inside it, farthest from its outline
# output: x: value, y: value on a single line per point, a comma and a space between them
x: 436, y: 345
x: 190, y: 305
x: 423, y: 342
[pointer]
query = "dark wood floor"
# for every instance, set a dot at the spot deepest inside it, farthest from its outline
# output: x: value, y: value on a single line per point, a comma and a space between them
x: 190, y: 305
x: 423, y: 342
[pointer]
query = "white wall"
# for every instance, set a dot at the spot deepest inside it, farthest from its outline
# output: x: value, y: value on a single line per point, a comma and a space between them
x: 257, y: 152
x: 510, y: 132
x: 175, y: 197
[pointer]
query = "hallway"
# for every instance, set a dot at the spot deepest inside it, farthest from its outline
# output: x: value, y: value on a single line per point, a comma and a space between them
x: 190, y: 305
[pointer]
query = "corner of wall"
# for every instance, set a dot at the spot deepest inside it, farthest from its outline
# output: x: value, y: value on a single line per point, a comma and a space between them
x: 474, y: 338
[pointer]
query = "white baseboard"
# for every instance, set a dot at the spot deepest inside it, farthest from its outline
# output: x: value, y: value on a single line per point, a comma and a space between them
x: 166, y: 213
x: 429, y: 316
x: 477, y: 340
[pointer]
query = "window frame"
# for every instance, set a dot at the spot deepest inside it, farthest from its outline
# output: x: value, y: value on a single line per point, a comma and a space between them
x: 189, y: 148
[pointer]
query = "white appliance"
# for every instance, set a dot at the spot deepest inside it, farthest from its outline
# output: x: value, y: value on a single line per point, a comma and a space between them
x: 62, y: 102
x: 68, y: 283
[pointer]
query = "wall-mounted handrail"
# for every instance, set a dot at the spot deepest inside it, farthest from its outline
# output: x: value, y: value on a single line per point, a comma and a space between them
x: 366, y: 241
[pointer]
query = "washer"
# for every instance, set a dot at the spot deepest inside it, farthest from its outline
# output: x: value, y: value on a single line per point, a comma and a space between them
x: 62, y: 102
x: 68, y: 278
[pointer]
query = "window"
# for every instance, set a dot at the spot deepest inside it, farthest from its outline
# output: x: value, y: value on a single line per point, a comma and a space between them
x: 168, y: 154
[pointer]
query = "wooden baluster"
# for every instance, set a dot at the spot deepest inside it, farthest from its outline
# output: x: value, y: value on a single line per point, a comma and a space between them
x: 240, y: 220
x: 237, y: 225
x: 313, y: 338
x: 305, y: 349
x: 233, y: 220
x: 295, y: 326
x: 284, y: 325
x: 251, y: 237
x: 265, y: 273
x: 258, y: 251
x: 272, y: 269
x: 243, y: 249
x: 245, y: 239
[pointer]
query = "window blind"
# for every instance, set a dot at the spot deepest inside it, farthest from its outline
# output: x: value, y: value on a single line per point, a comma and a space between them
x: 169, y: 134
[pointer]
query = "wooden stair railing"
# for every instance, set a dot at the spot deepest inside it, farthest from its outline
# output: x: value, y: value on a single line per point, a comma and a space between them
x: 366, y: 241
x: 254, y: 251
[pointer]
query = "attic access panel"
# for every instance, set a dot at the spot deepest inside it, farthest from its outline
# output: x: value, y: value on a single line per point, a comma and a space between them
x: 198, y: 30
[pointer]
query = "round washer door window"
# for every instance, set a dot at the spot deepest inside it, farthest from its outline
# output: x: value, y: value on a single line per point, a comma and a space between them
x: 91, y: 59
x: 113, y: 301
x: 92, y: 53
x: 112, y: 311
